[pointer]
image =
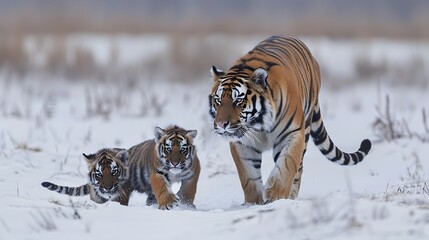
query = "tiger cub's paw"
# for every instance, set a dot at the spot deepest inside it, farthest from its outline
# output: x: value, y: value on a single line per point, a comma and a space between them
x: 169, y: 203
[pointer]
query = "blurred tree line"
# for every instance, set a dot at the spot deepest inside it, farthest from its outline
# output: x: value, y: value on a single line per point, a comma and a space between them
x: 336, y: 18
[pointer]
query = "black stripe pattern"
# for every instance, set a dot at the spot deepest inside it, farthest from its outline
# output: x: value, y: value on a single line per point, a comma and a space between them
x: 327, y: 147
x: 71, y: 191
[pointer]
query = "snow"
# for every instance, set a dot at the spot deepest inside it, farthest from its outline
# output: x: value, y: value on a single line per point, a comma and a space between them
x: 46, y: 126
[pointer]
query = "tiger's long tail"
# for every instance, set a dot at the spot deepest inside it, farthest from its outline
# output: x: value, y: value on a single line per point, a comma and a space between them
x: 72, y: 191
x: 327, y: 147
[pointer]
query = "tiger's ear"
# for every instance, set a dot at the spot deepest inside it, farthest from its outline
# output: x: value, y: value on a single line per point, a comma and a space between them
x: 216, y: 73
x: 123, y: 155
x: 159, y: 132
x: 89, y: 158
x: 192, y: 133
x: 191, y: 151
x: 259, y: 76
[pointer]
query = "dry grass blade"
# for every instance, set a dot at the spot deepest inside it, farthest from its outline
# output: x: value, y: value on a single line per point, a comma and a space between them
x: 387, y: 128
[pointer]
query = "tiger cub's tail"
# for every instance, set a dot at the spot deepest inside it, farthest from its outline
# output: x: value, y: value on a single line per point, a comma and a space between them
x: 72, y: 191
x: 329, y: 149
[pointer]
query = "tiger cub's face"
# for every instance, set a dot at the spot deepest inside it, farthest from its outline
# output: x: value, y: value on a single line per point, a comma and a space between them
x: 175, y: 147
x: 238, y: 104
x: 107, y: 170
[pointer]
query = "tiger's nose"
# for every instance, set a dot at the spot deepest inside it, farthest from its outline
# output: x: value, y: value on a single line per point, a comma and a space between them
x: 175, y: 163
x: 223, y: 125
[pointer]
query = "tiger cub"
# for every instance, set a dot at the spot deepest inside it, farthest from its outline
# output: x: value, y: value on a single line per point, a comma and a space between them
x: 108, y: 175
x: 156, y: 164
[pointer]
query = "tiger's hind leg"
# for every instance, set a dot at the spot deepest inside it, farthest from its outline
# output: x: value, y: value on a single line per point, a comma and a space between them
x: 296, y: 183
x: 287, y: 158
x: 297, y: 180
x: 151, y: 199
x: 248, y: 162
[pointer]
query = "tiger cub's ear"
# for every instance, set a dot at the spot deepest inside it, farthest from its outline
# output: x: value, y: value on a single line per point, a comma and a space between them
x: 259, y: 76
x: 89, y: 158
x: 159, y: 132
x: 216, y: 73
x: 123, y: 156
x: 192, y: 133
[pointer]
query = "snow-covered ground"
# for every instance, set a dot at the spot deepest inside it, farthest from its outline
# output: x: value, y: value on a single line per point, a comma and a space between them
x: 45, y: 126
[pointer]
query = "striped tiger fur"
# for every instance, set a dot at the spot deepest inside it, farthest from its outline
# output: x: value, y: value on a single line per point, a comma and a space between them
x: 269, y: 100
x: 156, y: 164
x: 108, y: 176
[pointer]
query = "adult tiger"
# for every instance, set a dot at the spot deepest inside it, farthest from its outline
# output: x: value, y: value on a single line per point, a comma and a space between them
x: 269, y: 100
x: 108, y: 176
x: 156, y: 164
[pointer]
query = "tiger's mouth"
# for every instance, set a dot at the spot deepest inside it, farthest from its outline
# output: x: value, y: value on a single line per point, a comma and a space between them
x: 111, y: 191
x: 231, y: 133
x: 107, y: 194
x: 175, y: 170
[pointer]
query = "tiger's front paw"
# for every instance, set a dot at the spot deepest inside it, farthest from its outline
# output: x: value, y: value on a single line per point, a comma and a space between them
x: 275, y: 192
x: 270, y: 196
x: 169, y: 202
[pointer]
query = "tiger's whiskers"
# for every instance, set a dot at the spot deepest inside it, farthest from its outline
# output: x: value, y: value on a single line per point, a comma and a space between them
x: 246, y: 131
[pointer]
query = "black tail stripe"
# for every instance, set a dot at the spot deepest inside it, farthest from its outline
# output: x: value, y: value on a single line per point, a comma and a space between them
x: 316, y: 116
x: 355, y: 158
x: 338, y: 155
x: 307, y: 109
x: 321, y: 138
x: 330, y: 148
x: 319, y: 131
x: 69, y: 191
x: 346, y: 159
x: 49, y: 186
x: 307, y: 123
x: 360, y: 156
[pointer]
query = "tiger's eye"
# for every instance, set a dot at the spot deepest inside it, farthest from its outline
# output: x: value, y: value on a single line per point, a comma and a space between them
x: 167, y: 149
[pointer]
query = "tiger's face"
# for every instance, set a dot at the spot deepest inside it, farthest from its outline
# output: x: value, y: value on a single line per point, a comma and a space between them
x: 175, y: 147
x: 107, y: 171
x: 238, y: 104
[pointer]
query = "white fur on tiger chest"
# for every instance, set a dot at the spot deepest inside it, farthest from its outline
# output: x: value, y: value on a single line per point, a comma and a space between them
x: 178, y: 175
x: 261, y: 140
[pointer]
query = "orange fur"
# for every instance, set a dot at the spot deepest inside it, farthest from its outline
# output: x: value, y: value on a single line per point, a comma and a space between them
x: 171, y: 150
x: 269, y: 100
